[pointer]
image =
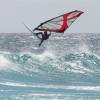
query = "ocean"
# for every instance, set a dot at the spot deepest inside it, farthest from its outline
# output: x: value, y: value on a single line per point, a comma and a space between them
x: 65, y: 67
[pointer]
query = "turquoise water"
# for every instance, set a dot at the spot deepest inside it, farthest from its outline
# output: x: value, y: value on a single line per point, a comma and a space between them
x: 66, y: 67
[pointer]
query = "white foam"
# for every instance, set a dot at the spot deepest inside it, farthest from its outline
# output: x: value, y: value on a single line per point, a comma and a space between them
x: 74, y: 66
x: 84, y: 49
x: 4, y: 63
x: 70, y: 87
x: 46, y: 55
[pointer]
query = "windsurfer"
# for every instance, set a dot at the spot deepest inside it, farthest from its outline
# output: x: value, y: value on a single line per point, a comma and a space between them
x: 57, y: 24
x: 44, y: 36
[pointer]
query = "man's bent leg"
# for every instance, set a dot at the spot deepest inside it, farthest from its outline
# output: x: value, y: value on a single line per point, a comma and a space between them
x: 41, y: 42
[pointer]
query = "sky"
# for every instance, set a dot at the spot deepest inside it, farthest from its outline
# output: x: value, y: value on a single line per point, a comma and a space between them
x: 33, y: 12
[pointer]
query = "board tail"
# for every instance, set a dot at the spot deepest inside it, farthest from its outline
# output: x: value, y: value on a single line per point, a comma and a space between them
x: 35, y: 34
x: 29, y: 29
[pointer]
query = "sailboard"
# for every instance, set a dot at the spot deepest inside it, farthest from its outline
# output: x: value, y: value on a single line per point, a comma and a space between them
x: 60, y: 23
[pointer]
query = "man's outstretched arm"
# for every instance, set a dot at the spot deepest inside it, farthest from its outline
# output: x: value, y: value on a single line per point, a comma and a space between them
x: 38, y: 34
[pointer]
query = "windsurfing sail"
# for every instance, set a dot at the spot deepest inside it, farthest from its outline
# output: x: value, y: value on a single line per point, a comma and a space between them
x: 59, y: 24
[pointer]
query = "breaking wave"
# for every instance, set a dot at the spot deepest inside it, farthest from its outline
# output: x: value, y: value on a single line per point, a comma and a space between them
x: 51, y: 68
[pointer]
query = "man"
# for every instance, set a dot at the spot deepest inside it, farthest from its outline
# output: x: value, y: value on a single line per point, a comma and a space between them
x: 44, y: 36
